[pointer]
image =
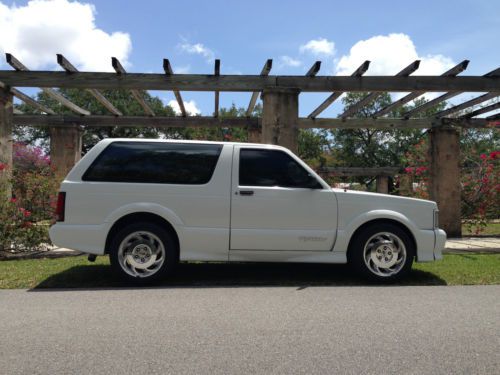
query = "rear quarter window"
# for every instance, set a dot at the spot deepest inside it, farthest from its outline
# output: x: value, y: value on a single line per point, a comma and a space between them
x: 154, y: 162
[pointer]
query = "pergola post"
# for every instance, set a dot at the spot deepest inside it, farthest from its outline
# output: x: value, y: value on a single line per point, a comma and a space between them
x: 444, y: 184
x: 254, y: 135
x: 280, y: 116
x: 405, y: 185
x: 65, y: 148
x: 383, y: 184
x: 6, y: 119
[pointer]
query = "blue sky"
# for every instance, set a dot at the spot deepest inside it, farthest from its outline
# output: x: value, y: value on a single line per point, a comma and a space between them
x: 243, y: 34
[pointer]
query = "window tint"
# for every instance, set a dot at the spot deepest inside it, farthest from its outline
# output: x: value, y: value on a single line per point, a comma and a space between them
x: 273, y: 168
x: 153, y: 162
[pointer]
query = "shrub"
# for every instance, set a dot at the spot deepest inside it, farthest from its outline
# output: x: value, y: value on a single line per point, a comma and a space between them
x: 25, y: 217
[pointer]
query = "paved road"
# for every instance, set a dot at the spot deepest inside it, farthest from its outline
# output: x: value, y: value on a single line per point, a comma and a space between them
x: 277, y: 330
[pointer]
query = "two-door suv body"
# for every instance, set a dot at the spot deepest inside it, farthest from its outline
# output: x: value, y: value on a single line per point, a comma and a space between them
x: 152, y: 203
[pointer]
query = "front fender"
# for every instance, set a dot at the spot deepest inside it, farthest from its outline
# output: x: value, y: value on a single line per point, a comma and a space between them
x: 344, y: 234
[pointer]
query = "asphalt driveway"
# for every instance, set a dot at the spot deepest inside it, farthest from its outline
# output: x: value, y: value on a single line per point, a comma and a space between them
x: 278, y: 330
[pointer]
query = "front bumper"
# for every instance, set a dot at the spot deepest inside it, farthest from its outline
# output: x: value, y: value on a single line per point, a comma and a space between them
x: 439, y: 243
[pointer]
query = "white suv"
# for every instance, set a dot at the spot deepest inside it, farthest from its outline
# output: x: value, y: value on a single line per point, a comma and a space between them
x: 152, y: 203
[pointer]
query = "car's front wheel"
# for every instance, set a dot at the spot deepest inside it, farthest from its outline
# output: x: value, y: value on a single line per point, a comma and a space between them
x: 382, y: 251
x: 143, y: 252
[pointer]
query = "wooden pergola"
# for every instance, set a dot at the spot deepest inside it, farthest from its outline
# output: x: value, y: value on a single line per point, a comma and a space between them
x: 280, y: 121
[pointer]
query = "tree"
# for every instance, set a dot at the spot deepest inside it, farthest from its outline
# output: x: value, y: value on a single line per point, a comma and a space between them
x: 375, y: 147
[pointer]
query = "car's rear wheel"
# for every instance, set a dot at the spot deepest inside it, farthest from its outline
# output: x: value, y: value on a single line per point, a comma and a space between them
x: 143, y: 252
x: 382, y: 251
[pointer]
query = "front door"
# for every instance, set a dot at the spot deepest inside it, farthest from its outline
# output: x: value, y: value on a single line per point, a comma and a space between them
x: 277, y: 204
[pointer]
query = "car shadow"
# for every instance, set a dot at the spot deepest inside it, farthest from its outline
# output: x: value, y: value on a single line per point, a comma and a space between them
x: 217, y: 275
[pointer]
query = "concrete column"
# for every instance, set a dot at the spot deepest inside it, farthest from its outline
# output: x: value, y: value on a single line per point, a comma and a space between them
x: 65, y: 148
x: 405, y: 185
x: 254, y: 135
x: 383, y: 184
x: 6, y: 117
x: 280, y: 117
x: 444, y: 183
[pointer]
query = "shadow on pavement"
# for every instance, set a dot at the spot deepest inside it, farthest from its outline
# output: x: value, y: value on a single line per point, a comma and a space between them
x: 217, y: 275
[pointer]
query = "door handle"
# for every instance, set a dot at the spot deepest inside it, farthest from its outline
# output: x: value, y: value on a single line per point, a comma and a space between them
x: 246, y: 192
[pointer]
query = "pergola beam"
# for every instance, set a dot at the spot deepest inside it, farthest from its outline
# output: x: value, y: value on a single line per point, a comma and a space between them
x: 135, y: 92
x: 216, y: 73
x: 391, y: 123
x: 415, y: 94
x: 265, y: 71
x: 443, y: 97
x: 70, y: 68
x: 360, y: 171
x: 245, y: 83
x: 335, y: 95
x: 20, y: 67
x: 205, y: 121
x: 372, y: 96
x: 135, y: 121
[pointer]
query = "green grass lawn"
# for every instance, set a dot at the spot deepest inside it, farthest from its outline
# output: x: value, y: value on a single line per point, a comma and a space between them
x: 77, y: 272
x: 492, y: 229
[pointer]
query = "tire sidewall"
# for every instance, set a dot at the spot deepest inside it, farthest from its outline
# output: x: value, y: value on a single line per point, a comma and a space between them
x: 171, y: 252
x: 356, y: 258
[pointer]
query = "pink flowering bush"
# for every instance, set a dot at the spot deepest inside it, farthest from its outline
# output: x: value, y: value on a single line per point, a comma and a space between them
x: 480, y: 185
x: 25, y: 216
x: 481, y: 192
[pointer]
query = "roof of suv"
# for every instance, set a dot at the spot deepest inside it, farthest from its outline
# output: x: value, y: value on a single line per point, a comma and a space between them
x: 110, y: 140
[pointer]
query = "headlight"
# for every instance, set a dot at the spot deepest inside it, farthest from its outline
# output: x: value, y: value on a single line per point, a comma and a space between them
x: 436, y: 219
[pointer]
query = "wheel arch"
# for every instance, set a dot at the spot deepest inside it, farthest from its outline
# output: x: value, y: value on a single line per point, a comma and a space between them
x: 369, y: 223
x: 137, y: 217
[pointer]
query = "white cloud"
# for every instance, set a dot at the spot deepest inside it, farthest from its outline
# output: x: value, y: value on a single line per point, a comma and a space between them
x: 388, y: 55
x: 198, y: 49
x: 289, y: 61
x: 318, y: 47
x: 190, y: 107
x: 35, y: 32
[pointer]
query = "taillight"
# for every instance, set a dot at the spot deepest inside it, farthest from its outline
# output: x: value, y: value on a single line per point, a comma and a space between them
x: 61, y: 206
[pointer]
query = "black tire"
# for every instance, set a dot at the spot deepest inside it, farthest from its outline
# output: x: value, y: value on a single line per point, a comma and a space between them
x: 145, y: 243
x: 385, y: 243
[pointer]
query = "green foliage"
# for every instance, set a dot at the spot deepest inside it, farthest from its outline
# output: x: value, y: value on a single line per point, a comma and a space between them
x: 375, y: 147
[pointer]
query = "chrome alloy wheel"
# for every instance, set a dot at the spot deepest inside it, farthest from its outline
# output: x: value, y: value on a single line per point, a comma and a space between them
x: 141, y: 254
x: 384, y: 254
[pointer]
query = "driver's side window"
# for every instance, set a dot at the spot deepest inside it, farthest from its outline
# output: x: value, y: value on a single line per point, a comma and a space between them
x: 259, y: 167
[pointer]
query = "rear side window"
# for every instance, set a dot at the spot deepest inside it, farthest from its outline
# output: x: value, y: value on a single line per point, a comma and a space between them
x: 154, y: 162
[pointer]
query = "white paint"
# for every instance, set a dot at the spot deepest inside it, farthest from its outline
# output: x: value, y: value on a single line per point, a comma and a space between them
x: 214, y: 223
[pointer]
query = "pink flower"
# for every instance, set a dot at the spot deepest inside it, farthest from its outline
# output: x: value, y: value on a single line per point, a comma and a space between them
x: 483, y: 156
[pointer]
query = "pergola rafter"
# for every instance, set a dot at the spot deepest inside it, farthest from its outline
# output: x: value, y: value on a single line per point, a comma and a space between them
x: 169, y: 71
x: 480, y: 111
x: 443, y: 97
x: 18, y: 66
x: 68, y: 67
x: 374, y: 95
x: 334, y: 96
x: 265, y: 71
x: 216, y: 73
x: 138, y: 95
x: 415, y: 94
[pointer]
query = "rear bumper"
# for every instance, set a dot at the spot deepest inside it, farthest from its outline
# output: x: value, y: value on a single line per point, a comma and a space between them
x: 90, y: 239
